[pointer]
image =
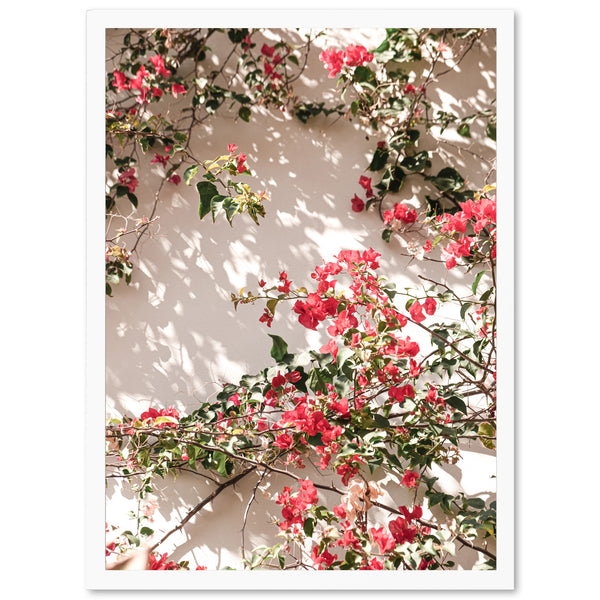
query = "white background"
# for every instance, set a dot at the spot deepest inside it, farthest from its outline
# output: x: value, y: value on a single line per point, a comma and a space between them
x: 43, y: 302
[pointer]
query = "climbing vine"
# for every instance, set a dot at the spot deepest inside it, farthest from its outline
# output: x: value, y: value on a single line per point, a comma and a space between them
x: 372, y: 403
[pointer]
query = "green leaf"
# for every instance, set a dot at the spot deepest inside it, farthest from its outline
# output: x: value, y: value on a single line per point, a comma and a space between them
x: 190, y: 173
x: 133, y: 199
x: 418, y: 162
x: 220, y: 461
x: 272, y: 305
x: 245, y: 113
x: 447, y: 180
x: 309, y: 526
x: 464, y: 309
x: 318, y: 380
x: 477, y: 503
x: 230, y: 206
x: 363, y: 74
x: 379, y: 160
x: 457, y: 403
x: 490, y: 131
x: 392, y: 179
x: 386, y: 234
x: 354, y: 107
x: 207, y: 192
x: 477, y: 280
x: 464, y: 130
x: 279, y: 348
x: 293, y: 59
x: 216, y: 205
x: 180, y: 137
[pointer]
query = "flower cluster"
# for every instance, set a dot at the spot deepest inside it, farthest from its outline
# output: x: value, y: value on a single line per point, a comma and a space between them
x: 352, y: 56
x: 294, y: 505
x: 148, y: 84
x: 478, y: 215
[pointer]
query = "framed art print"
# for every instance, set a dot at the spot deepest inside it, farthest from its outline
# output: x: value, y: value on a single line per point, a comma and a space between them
x: 300, y: 352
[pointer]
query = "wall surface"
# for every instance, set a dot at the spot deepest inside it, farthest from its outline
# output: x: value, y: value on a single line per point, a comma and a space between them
x: 173, y: 337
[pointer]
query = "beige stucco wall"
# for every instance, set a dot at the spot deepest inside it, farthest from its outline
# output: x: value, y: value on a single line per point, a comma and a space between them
x: 172, y: 336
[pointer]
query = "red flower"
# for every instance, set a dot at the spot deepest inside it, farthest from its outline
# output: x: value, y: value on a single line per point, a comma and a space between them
x: 241, y: 167
x: 416, y: 513
x: 430, y: 305
x: 414, y: 370
x: 267, y: 50
x: 157, y: 92
x: 334, y: 61
x: 383, y: 539
x: 428, y: 246
x: 409, y: 479
x: 120, y: 81
x: 128, y: 178
x: 231, y: 148
x: 174, y: 179
x: 159, y: 65
x: 315, y: 310
x: 284, y: 441
x: 266, y: 317
x: 416, y: 312
x: 160, y: 159
x: 410, y: 89
x: 402, y: 532
x: 357, y: 204
x: 365, y: 182
x: 330, y: 348
x: 357, y: 56
x: 246, y: 42
x: 278, y: 380
x: 177, y: 89
x: 137, y: 82
x: 399, y: 393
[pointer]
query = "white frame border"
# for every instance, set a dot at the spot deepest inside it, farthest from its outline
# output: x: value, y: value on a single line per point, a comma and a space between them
x: 96, y: 576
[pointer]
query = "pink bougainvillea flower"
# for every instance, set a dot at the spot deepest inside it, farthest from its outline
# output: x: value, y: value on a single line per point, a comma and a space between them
x: 284, y: 441
x: 266, y: 317
x: 356, y: 56
x: 128, y: 178
x: 267, y: 50
x: 231, y: 148
x: 365, y: 182
x: 176, y: 179
x: 157, y: 92
x: 402, y: 532
x: 416, y: 312
x: 278, y: 380
x: 382, y: 538
x: 430, y: 305
x: 409, y: 479
x: 177, y: 89
x: 375, y: 565
x: 357, y: 204
x: 159, y: 65
x: 409, y: 515
x: 344, y: 321
x: 334, y: 61
x: 120, y: 81
x: 400, y: 393
x: 330, y: 348
x: 158, y: 158
x: 415, y: 369
x: 410, y: 89
x: 428, y: 246
x: 324, y: 558
x: 241, y: 167
x: 246, y: 42
x: 137, y: 82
